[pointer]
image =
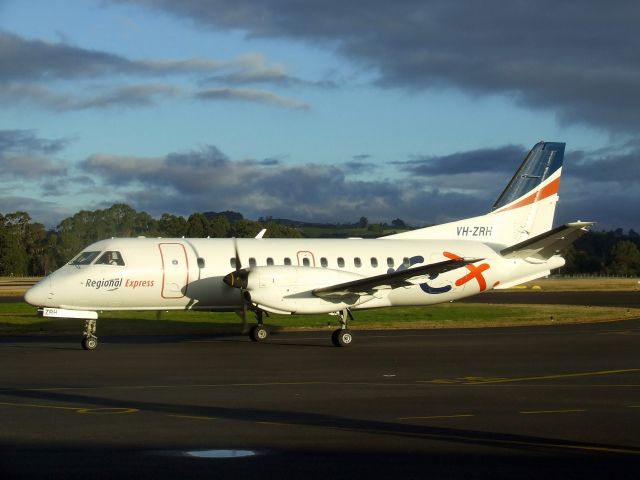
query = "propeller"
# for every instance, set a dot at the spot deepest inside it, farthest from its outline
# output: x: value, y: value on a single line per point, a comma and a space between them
x: 238, y: 279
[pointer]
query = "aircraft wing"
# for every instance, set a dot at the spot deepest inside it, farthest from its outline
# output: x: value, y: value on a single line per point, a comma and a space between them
x: 548, y: 244
x: 387, y: 281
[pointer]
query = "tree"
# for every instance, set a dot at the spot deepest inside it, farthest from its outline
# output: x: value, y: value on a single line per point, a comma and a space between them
x: 363, y: 222
x: 219, y: 226
x: 172, y: 226
x: 197, y: 226
x: 14, y: 242
x: 398, y: 223
x: 626, y: 258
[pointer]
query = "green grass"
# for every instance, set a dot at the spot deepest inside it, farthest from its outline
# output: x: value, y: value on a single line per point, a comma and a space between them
x: 21, y: 319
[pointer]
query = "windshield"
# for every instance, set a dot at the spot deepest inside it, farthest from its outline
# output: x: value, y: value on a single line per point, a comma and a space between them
x: 110, y: 258
x: 84, y: 258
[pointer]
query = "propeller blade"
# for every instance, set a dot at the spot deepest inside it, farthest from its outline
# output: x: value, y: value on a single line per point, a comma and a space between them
x: 239, y: 281
x: 235, y: 247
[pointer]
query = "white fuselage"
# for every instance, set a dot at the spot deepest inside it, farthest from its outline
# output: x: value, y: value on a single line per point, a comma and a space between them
x: 166, y: 274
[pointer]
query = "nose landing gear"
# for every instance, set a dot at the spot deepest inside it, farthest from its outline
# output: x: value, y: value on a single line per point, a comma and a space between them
x: 89, y: 340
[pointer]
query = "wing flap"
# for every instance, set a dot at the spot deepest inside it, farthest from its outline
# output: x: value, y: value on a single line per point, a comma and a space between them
x: 388, y: 281
x: 544, y: 246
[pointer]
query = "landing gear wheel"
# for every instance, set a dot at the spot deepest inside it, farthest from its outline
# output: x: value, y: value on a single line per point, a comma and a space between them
x: 89, y: 343
x: 259, y: 333
x: 342, y: 337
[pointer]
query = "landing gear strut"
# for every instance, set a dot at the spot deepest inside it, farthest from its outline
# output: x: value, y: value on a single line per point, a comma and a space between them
x: 259, y: 333
x: 342, y: 337
x: 89, y: 340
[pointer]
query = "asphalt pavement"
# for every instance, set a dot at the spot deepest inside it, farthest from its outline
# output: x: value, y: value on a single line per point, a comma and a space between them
x: 532, y: 402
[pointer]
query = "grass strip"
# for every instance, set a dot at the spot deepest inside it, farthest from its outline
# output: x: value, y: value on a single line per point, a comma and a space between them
x: 21, y: 319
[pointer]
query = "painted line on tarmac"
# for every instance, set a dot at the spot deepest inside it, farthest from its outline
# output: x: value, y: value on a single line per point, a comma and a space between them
x: 193, y: 417
x: 540, y: 412
x: 491, y: 381
x: 435, y: 417
x: 81, y: 410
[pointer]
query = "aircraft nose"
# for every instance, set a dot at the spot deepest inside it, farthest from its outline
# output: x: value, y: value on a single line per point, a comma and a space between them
x: 39, y: 293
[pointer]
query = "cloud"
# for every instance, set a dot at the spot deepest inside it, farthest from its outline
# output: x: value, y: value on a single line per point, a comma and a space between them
x: 207, y: 179
x: 577, y: 59
x: 25, y: 156
x: 498, y: 160
x: 255, y: 68
x: 46, y: 212
x: 26, y: 141
x: 250, y: 95
x: 36, y: 60
x: 132, y: 96
x: 51, y: 75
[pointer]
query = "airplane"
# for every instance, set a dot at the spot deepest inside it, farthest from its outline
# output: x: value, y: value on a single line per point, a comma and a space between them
x: 512, y: 244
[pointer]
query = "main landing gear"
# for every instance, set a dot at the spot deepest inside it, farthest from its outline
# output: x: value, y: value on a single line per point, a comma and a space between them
x: 260, y: 332
x: 89, y: 340
x: 343, y: 337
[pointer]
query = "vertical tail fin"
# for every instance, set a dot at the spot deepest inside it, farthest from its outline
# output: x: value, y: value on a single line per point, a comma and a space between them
x: 528, y: 202
x: 524, y: 209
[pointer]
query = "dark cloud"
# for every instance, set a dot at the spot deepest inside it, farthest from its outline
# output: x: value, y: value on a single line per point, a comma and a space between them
x: 208, y: 180
x: 577, y: 58
x: 619, y: 168
x: 501, y: 159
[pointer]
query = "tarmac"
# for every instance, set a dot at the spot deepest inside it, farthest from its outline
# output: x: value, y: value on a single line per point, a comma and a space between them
x: 531, y: 402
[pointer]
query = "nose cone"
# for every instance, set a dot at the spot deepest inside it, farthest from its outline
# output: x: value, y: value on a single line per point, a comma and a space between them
x: 39, y: 293
x: 237, y: 279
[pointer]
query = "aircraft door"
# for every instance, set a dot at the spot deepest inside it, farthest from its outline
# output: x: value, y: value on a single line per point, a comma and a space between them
x: 175, y: 270
x: 306, y: 259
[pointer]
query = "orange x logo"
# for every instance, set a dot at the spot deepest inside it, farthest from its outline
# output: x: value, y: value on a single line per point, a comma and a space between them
x: 474, y: 272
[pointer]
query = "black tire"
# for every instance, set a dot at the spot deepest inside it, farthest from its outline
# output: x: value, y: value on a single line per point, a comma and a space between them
x: 90, y: 343
x: 342, y: 337
x: 259, y: 333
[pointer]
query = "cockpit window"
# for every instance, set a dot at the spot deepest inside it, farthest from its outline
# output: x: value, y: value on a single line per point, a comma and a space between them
x: 84, y: 258
x: 110, y: 258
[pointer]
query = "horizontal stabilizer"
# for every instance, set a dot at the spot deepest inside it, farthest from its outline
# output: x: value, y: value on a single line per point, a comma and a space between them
x: 546, y: 245
x: 402, y: 278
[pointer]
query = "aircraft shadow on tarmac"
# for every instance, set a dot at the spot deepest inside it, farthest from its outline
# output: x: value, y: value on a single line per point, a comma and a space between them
x: 523, y: 443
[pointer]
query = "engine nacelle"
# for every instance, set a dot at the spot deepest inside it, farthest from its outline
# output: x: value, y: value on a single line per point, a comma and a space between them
x: 288, y: 289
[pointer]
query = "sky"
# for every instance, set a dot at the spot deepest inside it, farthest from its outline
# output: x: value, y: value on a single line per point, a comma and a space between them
x: 322, y: 111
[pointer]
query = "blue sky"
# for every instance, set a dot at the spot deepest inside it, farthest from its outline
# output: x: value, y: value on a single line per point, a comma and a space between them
x: 316, y: 111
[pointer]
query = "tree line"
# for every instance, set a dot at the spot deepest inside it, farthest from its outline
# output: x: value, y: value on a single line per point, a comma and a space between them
x: 29, y: 249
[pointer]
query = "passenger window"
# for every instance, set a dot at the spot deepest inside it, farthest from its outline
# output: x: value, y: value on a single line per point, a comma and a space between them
x: 200, y: 262
x: 287, y: 261
x: 306, y: 262
x: 341, y: 262
x: 406, y: 262
x: 357, y: 262
x: 110, y: 258
x: 269, y: 261
x: 232, y: 262
x: 252, y: 262
x: 374, y: 262
x: 324, y: 263
x: 390, y: 262
x: 84, y: 258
